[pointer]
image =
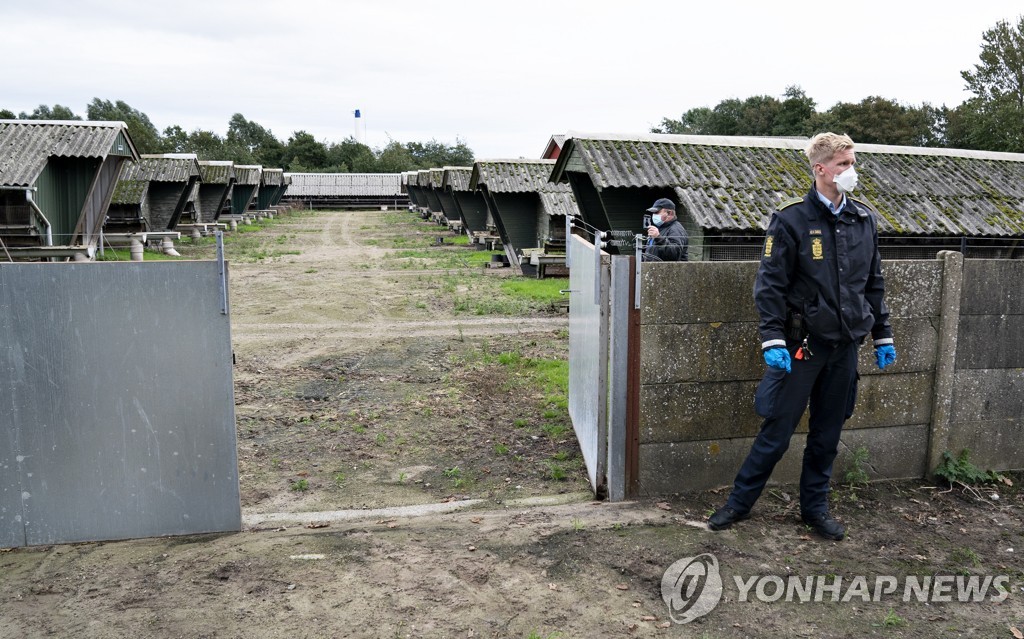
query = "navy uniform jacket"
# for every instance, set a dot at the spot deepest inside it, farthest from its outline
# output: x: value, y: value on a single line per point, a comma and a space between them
x: 825, y: 267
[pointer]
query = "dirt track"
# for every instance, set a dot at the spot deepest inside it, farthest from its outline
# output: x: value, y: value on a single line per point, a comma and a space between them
x: 360, y: 386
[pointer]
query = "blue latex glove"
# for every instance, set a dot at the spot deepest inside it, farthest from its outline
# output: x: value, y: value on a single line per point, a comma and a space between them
x: 778, y: 357
x: 885, y: 355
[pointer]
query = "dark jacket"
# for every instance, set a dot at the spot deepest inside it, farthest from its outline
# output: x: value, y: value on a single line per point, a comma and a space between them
x: 669, y: 246
x: 825, y: 267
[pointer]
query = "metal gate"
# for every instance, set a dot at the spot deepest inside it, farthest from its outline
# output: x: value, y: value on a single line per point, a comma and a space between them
x: 598, y: 335
x: 116, y: 402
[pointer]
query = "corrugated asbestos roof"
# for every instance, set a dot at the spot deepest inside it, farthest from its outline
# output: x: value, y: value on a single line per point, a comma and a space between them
x: 422, y: 178
x: 25, y: 145
x: 129, y: 191
x: 170, y: 167
x: 563, y: 203
x: 248, y: 174
x: 736, y: 183
x: 515, y: 176
x: 272, y: 177
x: 345, y: 184
x: 457, y: 178
x: 436, y: 178
x: 217, y: 171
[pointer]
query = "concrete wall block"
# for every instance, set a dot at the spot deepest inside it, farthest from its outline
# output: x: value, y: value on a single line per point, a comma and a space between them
x: 896, y: 452
x: 983, y: 395
x: 916, y: 343
x: 672, y: 353
x: 994, y: 444
x: 695, y: 292
x: 701, y: 411
x: 913, y: 288
x: 714, y: 352
x: 993, y: 287
x: 990, y: 341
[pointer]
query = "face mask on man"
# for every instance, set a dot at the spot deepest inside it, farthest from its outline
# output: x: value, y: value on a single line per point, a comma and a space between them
x: 846, y: 181
x: 657, y: 219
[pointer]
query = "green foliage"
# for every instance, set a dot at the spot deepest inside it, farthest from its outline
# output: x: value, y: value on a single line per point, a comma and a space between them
x: 960, y: 470
x: 140, y: 128
x: 856, y: 475
x: 301, y: 485
x: 892, y: 620
x: 43, y: 112
x: 994, y: 118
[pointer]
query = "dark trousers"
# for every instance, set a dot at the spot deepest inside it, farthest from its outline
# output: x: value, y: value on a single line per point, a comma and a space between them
x: 827, y: 379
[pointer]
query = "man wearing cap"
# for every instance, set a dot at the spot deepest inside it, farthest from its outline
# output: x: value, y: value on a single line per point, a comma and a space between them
x: 666, y: 238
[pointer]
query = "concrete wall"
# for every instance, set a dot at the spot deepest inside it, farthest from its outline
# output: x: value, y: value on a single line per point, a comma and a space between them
x: 957, y: 382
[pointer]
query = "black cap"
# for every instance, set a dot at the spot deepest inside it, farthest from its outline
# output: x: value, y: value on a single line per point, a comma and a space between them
x: 663, y: 203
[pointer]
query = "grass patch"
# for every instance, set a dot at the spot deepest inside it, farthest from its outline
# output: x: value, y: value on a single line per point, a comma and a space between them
x: 545, y: 291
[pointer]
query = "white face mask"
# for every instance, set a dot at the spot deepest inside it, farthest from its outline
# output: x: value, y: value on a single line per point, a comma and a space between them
x: 846, y: 181
x: 657, y: 219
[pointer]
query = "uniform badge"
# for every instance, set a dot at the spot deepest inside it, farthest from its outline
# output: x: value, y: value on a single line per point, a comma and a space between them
x: 768, y: 246
x: 816, y: 251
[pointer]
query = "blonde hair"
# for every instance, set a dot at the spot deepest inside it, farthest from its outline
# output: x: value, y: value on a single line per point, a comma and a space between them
x: 824, y: 146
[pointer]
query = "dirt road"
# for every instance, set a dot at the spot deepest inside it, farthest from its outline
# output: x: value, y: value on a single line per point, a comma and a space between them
x: 405, y: 472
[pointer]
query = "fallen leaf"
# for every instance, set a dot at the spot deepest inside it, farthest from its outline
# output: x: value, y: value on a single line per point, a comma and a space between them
x: 472, y: 548
x: 317, y: 524
x: 1017, y: 634
x: 648, y: 618
x: 637, y: 604
x: 622, y: 586
x: 663, y: 505
x: 476, y: 520
x: 553, y: 587
x: 392, y: 524
x: 1008, y: 482
x: 665, y: 624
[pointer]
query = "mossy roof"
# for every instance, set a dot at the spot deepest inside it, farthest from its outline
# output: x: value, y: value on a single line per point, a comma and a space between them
x: 456, y: 178
x: 217, y: 171
x: 735, y: 183
x: 27, y: 145
x: 515, y: 176
x: 248, y: 174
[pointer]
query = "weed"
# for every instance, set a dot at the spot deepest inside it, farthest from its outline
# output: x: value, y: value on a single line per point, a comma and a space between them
x: 381, y: 439
x: 359, y: 428
x: 556, y: 472
x: 578, y: 525
x: 310, y: 270
x: 521, y: 423
x: 339, y: 478
x: 553, y: 430
x: 961, y: 471
x: 560, y: 456
x: 966, y: 556
x: 551, y: 414
x: 402, y: 477
x: 500, y: 449
x: 452, y: 473
x: 300, y: 485
x: 892, y: 620
x: 856, y: 475
x: 275, y: 463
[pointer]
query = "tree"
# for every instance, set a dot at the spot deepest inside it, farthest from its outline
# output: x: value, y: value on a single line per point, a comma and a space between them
x: 436, y: 154
x: 877, y: 120
x: 994, y: 118
x: 352, y: 156
x: 303, y: 150
x: 140, y: 128
x: 7, y: 114
x: 249, y: 143
x: 395, y: 158
x: 43, y: 112
x: 795, y: 113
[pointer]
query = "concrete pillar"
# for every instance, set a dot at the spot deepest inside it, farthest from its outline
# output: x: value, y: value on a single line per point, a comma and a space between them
x: 167, y: 246
x: 234, y: 224
x: 196, y: 235
x: 945, y: 356
x: 135, y: 249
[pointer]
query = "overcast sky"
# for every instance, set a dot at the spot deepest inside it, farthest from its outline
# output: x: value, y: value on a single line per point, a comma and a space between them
x: 501, y: 76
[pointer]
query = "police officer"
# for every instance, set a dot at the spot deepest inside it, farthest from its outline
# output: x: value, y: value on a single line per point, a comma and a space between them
x: 667, y: 240
x: 819, y: 293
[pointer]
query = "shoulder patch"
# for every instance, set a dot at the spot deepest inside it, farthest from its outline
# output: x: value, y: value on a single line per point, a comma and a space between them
x: 862, y: 203
x: 789, y: 203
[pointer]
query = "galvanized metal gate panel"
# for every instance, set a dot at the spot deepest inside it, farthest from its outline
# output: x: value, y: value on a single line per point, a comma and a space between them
x: 116, y: 401
x: 588, y: 355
